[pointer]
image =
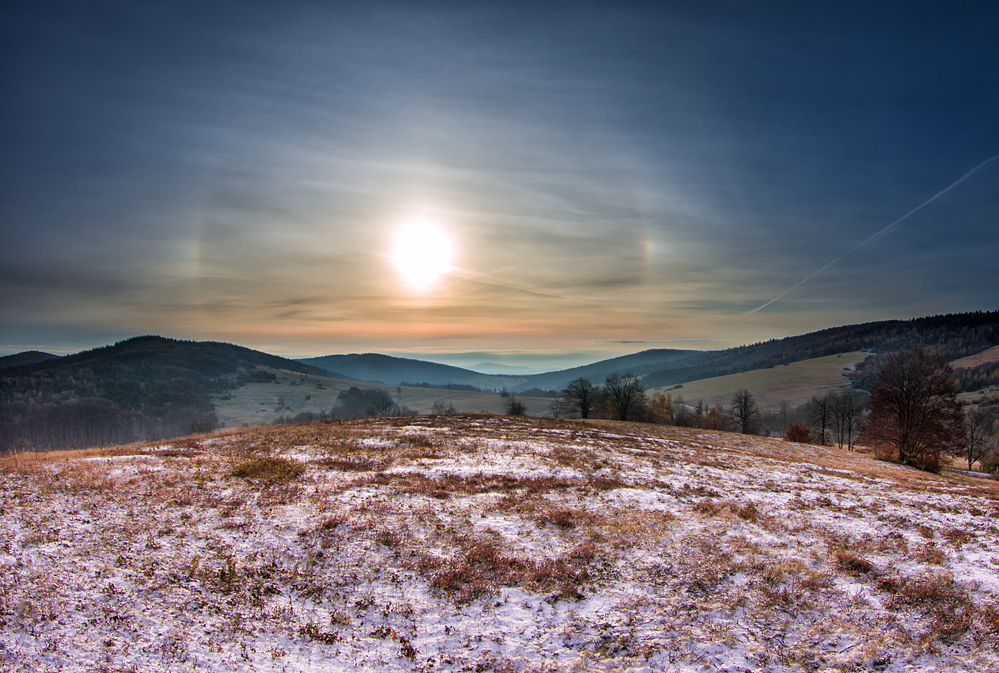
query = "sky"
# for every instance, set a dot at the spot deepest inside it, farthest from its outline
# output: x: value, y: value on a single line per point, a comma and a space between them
x: 609, y: 177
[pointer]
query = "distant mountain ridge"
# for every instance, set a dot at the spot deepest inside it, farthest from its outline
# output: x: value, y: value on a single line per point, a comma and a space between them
x: 639, y: 364
x: 25, y: 358
x: 950, y: 336
x: 395, y: 370
x: 492, y: 368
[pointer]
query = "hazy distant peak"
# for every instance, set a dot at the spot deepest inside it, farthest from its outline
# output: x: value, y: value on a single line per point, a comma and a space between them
x: 495, y: 368
x: 25, y: 358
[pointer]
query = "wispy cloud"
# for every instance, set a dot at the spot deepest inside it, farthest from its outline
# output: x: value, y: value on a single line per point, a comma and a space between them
x: 617, y: 175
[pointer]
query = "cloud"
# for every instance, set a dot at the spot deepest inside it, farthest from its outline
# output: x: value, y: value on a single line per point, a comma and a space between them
x: 636, y: 175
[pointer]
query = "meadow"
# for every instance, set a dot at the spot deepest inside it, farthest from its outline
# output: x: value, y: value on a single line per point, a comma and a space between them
x: 292, y: 393
x: 794, y: 383
x: 492, y: 543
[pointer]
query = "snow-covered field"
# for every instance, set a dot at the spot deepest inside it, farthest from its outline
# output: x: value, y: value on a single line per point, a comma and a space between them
x: 479, y: 543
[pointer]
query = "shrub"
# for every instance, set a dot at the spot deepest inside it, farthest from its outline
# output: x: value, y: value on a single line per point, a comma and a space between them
x: 747, y: 511
x: 990, y: 463
x: 797, y: 432
x: 442, y: 407
x: 313, y: 631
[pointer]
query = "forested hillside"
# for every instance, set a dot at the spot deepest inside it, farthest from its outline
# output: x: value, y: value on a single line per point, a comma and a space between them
x: 949, y: 336
x: 639, y: 364
x: 398, y: 371
x: 142, y: 388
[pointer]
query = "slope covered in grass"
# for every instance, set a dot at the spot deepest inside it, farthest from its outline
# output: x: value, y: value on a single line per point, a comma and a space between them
x: 484, y: 543
x: 795, y: 383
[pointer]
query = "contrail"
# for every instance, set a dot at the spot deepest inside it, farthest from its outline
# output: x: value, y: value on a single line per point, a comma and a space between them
x: 879, y: 234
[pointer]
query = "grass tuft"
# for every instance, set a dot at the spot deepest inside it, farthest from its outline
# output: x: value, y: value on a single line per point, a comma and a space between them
x: 269, y: 470
x: 851, y: 563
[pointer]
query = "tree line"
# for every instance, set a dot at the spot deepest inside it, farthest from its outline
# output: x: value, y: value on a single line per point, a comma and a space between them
x: 910, y: 414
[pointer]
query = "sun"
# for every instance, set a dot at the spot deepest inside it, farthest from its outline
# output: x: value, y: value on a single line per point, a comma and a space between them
x: 422, y: 254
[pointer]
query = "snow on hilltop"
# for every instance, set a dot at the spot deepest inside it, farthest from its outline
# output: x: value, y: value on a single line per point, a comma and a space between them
x: 478, y: 543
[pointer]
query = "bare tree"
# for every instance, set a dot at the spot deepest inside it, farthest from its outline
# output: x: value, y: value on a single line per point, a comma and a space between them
x: 745, y: 414
x: 979, y: 427
x: 914, y: 414
x: 626, y: 395
x: 845, y: 409
x: 821, y: 415
x: 582, y: 395
x: 784, y: 413
x: 558, y: 408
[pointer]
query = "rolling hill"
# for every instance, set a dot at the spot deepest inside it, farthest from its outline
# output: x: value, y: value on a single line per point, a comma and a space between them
x: 290, y: 395
x: 395, y: 371
x: 951, y: 336
x: 640, y: 364
x: 141, y: 388
x: 25, y: 358
x: 795, y: 383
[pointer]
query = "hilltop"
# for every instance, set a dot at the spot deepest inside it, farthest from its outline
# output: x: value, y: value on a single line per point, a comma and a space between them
x: 25, y: 358
x: 485, y: 543
x: 140, y: 388
x: 396, y: 371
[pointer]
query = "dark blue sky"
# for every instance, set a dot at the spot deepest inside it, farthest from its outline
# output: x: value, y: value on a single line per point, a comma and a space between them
x: 648, y: 172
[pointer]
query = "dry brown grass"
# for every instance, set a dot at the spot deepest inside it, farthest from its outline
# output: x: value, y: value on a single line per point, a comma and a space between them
x: 745, y: 510
x: 688, y: 542
x: 480, y: 568
x: 450, y: 485
x: 269, y: 470
x: 852, y: 563
x: 352, y: 464
x: 948, y: 605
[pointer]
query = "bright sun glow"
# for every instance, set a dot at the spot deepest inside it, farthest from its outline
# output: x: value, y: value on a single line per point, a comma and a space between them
x: 422, y: 254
